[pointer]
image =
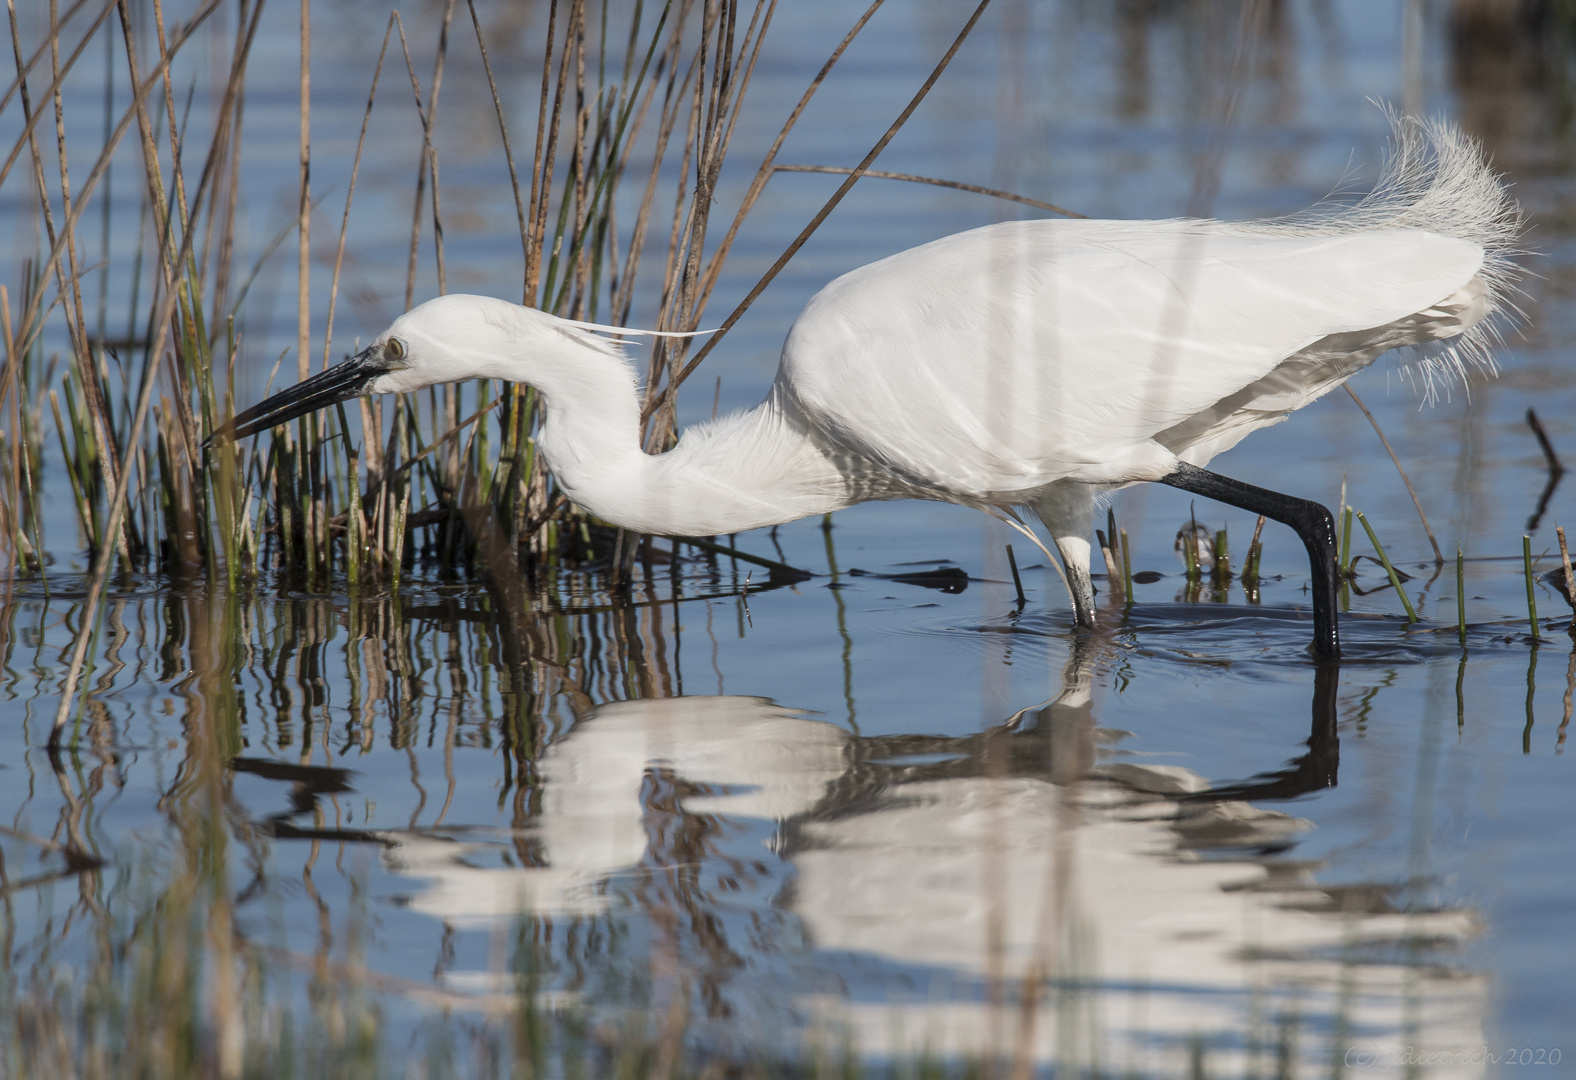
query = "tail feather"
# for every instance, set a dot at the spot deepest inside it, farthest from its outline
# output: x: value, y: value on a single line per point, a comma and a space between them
x: 1436, y: 179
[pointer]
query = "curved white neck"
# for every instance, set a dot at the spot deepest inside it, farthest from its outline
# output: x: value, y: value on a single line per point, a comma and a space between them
x: 741, y: 472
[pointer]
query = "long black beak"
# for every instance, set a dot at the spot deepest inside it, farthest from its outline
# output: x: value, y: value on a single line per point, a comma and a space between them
x: 339, y: 383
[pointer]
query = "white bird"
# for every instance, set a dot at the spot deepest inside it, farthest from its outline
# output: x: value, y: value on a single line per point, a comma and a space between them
x: 1033, y: 363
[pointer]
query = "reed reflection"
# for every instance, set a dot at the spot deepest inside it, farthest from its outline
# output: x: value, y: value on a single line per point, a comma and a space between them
x: 1000, y: 891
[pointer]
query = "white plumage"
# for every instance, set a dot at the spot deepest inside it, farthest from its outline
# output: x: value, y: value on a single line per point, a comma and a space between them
x: 989, y: 364
x: 1033, y: 363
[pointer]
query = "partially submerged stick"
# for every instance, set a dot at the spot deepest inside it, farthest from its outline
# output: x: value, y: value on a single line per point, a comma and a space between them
x: 1113, y: 574
x: 744, y: 556
x: 1017, y: 581
x: 1346, y: 542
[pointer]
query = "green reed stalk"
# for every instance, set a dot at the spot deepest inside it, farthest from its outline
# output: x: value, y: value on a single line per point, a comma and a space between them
x: 1532, y: 600
x: 306, y: 431
x: 1346, y: 541
x: 1395, y: 580
x: 1461, y: 596
x: 285, y: 500
x: 190, y: 510
x: 349, y: 470
x: 79, y: 496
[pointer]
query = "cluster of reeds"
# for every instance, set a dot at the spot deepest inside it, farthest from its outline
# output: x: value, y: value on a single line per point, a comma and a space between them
x: 628, y: 100
x: 1207, y: 561
x: 638, y: 95
x: 1206, y: 558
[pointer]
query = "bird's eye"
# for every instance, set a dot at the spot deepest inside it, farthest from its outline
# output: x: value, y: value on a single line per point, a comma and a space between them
x: 394, y: 350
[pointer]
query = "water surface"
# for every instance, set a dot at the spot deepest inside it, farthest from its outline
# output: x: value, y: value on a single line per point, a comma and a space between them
x: 856, y: 811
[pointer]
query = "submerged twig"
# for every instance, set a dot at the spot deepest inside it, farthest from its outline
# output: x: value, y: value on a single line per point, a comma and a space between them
x: 743, y: 556
x: 1250, y: 565
x: 1127, y: 567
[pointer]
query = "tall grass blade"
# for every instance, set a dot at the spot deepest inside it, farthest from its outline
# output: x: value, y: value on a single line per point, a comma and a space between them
x: 1395, y: 581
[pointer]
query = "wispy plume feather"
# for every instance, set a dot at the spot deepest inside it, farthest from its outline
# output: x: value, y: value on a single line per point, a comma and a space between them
x: 1436, y: 178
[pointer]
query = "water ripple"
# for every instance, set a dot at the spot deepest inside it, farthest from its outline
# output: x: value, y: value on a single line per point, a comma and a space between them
x: 1225, y: 635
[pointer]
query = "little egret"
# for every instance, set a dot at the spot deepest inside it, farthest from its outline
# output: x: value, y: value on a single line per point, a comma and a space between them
x: 1031, y: 364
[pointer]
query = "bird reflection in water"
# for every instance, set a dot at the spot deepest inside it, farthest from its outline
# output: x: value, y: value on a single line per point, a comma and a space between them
x: 1030, y: 890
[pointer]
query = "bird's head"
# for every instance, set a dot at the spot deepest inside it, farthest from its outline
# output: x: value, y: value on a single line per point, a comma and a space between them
x: 449, y: 339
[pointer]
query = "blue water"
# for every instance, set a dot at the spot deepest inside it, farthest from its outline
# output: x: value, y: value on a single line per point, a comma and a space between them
x: 913, y: 818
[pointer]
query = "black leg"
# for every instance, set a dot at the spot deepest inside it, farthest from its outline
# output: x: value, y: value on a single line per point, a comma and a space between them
x: 1309, y: 520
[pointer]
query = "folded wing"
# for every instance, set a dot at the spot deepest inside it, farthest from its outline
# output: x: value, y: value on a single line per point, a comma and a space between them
x: 1009, y: 357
